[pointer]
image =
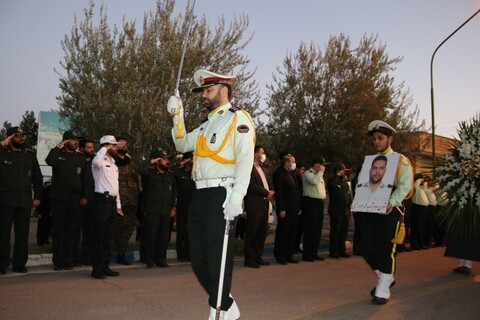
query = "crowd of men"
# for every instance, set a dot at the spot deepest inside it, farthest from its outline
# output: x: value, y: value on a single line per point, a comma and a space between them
x: 96, y: 199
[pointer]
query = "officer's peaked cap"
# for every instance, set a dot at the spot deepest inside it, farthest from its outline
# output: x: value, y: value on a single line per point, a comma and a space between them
x: 380, y: 126
x: 205, y: 79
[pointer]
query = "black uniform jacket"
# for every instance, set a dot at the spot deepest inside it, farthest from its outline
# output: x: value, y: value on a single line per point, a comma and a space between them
x: 71, y: 179
x: 159, y: 190
x: 339, y: 196
x: 287, y: 194
x: 19, y: 174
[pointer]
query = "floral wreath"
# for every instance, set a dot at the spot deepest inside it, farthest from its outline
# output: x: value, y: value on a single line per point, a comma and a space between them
x: 459, y: 177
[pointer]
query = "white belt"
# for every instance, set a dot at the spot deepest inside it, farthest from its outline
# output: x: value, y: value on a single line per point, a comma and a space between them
x: 213, y: 183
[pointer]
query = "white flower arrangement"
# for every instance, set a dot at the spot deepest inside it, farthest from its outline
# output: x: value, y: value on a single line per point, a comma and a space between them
x: 459, y: 177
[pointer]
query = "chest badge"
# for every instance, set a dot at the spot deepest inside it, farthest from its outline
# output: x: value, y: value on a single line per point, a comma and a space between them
x: 243, y: 128
x: 214, y: 138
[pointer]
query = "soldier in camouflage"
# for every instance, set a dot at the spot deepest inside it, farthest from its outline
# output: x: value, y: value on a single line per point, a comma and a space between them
x: 128, y: 187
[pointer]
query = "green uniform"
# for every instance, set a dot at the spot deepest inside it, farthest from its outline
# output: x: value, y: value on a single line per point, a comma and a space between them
x: 159, y: 193
x: 71, y: 181
x: 19, y: 175
x: 128, y: 188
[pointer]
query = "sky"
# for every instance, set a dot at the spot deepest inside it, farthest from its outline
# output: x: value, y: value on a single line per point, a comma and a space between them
x: 31, y: 32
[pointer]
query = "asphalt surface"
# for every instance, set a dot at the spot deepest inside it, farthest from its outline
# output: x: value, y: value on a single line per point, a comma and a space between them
x: 425, y: 288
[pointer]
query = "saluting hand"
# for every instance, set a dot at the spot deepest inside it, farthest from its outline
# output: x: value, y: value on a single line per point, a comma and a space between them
x: 6, y: 141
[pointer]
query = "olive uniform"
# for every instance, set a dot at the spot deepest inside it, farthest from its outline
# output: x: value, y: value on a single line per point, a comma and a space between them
x: 71, y: 181
x: 158, y: 201
x: 19, y: 174
x: 128, y: 188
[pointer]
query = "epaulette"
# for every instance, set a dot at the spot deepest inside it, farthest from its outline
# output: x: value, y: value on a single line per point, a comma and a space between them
x: 234, y: 109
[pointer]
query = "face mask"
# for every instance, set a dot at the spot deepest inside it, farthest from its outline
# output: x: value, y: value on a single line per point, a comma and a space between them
x: 263, y: 158
x: 293, y: 166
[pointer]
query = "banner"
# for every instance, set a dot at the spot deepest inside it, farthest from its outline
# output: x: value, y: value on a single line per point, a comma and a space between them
x: 50, y: 132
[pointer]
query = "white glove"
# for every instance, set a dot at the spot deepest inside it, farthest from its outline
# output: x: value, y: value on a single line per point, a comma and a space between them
x: 174, y: 105
x: 231, y: 211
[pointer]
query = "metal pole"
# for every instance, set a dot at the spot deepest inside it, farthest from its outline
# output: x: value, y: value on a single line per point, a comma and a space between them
x: 222, y: 269
x: 431, y: 87
x: 184, y: 48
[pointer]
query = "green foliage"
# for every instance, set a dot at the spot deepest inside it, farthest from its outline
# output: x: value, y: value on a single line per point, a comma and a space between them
x: 321, y: 102
x: 117, y: 80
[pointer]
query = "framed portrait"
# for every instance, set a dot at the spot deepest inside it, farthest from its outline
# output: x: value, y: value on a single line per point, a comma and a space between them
x: 375, y: 183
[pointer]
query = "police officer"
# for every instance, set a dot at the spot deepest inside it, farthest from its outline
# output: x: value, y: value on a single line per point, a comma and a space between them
x: 185, y: 188
x: 70, y: 188
x: 223, y: 157
x: 19, y: 174
x: 158, y: 183
x: 105, y: 207
x: 378, y: 229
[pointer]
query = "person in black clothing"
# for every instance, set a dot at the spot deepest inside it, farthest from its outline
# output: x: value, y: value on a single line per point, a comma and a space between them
x: 288, y: 207
x: 339, y: 211
x: 20, y: 175
x: 44, y: 218
x: 256, y: 204
x: 185, y: 189
x: 159, y: 204
x: 70, y: 188
x: 300, y: 171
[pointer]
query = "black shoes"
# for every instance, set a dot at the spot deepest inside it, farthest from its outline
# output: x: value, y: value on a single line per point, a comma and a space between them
x: 97, y: 275
x: 57, y: 267
x: 109, y: 272
x: 379, y: 301
x: 462, y: 270
x: 282, y: 262
x: 2, y: 271
x: 291, y: 260
x: 334, y: 256
x: 319, y: 258
x: 345, y: 255
x: 308, y: 259
x: 263, y: 262
x: 162, y: 265
x: 20, y: 269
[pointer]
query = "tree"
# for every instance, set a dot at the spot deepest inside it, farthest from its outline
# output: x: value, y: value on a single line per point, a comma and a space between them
x: 320, y: 103
x: 3, y: 132
x: 117, y: 80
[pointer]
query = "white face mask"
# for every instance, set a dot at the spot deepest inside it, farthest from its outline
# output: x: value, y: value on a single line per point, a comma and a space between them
x: 293, y: 166
x: 263, y: 158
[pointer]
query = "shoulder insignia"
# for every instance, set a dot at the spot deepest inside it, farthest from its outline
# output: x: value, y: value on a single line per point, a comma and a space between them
x: 359, y: 185
x: 234, y: 109
x: 243, y: 128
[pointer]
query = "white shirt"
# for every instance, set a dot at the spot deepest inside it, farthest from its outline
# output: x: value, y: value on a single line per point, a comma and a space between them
x: 239, y: 145
x: 105, y: 175
x: 262, y: 175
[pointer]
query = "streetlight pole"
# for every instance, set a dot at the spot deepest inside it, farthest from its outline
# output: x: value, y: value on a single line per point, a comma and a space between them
x: 431, y: 87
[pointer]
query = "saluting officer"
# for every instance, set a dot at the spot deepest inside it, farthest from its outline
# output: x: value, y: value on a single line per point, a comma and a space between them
x: 223, y: 157
x: 70, y: 188
x: 378, y: 229
x: 19, y: 174
x: 106, y: 205
x: 158, y: 184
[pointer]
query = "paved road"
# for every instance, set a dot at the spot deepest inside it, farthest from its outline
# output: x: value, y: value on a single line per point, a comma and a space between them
x: 332, y: 289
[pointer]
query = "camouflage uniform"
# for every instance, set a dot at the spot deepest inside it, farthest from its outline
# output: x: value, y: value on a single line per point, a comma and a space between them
x: 128, y: 187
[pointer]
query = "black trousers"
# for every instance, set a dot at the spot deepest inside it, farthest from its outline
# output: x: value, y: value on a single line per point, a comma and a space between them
x: 83, y: 239
x: 44, y: 225
x: 312, y: 226
x: 66, y: 222
x: 206, y: 229
x: 104, y: 211
x: 285, y: 236
x: 418, y: 226
x: 182, y: 243
x: 20, y: 218
x: 255, y: 235
x: 377, y: 232
x: 429, y: 226
x: 338, y: 233
x: 156, y: 231
x: 357, y: 233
